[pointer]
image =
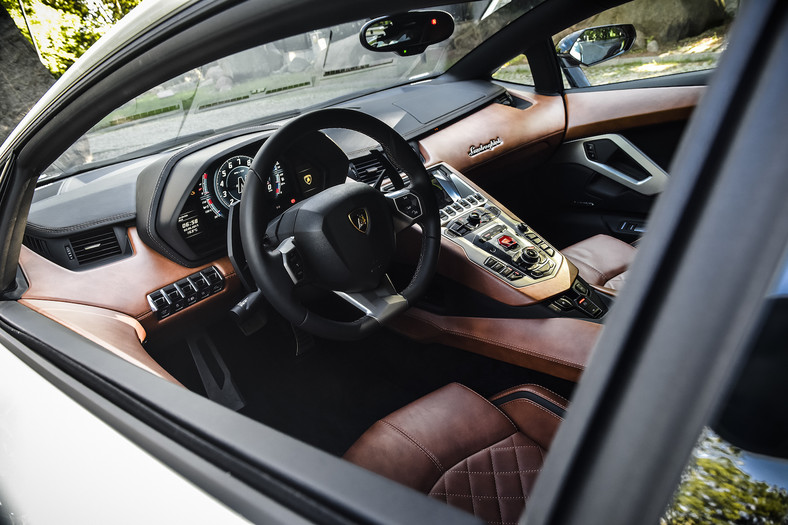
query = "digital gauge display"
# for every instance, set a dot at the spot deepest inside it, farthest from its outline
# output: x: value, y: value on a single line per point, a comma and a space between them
x: 226, y: 187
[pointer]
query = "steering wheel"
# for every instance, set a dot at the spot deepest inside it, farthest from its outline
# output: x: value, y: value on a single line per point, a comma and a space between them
x: 343, y: 238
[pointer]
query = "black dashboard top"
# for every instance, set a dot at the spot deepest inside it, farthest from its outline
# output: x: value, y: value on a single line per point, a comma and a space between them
x: 168, y: 193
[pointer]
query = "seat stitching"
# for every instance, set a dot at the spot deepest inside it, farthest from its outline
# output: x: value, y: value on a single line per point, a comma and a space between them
x: 516, y: 389
x: 540, y: 407
x: 477, y: 497
x: 419, y: 445
x: 492, y: 472
x: 489, y: 403
x: 470, y: 489
x: 519, y: 471
x: 498, y: 496
x: 532, y: 353
x: 516, y: 446
x: 604, y: 276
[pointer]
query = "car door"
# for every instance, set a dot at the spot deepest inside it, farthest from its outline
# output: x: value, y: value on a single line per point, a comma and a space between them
x: 624, y: 119
x: 681, y: 330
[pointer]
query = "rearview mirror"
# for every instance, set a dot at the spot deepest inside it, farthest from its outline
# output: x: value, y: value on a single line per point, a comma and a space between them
x: 407, y: 33
x: 596, y: 44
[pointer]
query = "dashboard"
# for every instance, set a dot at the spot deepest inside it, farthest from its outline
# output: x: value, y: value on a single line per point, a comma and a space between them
x: 185, y: 204
x: 175, y: 207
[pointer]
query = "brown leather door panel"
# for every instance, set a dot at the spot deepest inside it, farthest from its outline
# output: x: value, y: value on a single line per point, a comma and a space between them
x: 597, y: 112
x: 572, y: 196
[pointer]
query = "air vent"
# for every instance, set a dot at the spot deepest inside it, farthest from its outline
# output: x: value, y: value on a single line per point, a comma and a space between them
x: 372, y: 170
x: 505, y: 99
x: 368, y: 169
x: 95, y: 246
x: 37, y: 245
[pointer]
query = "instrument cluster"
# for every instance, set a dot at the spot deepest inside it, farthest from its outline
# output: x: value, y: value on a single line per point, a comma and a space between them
x: 202, y: 221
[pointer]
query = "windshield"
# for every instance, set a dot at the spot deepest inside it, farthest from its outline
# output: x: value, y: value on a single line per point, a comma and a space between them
x: 272, y: 82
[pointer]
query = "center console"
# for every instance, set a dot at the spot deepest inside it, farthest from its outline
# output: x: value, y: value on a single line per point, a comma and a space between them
x: 507, y: 248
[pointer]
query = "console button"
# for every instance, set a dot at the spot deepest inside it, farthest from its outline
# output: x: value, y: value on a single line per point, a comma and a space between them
x: 507, y: 242
x: 529, y: 255
x: 490, y: 262
x: 458, y: 228
x: 486, y: 236
x: 516, y: 274
x: 550, y: 252
x: 580, y: 287
x: 588, y: 307
x: 449, y: 210
x: 443, y: 215
x: 497, y: 266
x: 564, y: 303
x: 506, y: 271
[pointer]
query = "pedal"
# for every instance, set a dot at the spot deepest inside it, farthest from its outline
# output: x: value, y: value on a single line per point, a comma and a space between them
x: 219, y: 389
x: 304, y: 341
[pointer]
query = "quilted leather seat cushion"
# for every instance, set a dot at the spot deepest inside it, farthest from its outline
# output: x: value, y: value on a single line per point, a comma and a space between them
x: 460, y: 448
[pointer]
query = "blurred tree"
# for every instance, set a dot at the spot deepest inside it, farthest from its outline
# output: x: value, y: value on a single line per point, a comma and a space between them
x: 63, y: 30
x: 715, y: 490
x: 23, y: 78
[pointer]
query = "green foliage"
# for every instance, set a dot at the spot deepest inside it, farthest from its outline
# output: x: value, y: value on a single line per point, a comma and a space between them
x: 715, y: 490
x: 64, y: 29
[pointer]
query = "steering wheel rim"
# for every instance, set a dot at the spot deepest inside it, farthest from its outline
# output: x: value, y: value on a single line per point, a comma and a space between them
x: 267, y: 263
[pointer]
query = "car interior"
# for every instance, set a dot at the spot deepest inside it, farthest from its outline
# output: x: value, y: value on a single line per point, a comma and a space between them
x: 415, y: 278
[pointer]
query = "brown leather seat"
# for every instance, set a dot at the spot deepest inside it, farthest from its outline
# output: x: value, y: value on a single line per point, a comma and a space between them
x: 453, y: 444
x: 602, y: 260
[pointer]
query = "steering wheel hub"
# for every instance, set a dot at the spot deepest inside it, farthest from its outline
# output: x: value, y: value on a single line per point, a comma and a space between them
x: 344, y: 235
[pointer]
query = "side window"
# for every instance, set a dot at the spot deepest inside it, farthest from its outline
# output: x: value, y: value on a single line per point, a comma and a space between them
x: 516, y: 70
x: 738, y: 471
x: 724, y: 484
x: 672, y: 37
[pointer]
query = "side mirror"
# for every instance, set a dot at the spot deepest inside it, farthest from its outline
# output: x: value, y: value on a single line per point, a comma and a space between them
x: 596, y: 44
x: 407, y: 33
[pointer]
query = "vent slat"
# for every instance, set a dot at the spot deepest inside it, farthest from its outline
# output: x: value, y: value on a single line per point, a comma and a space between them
x: 505, y: 99
x: 37, y: 245
x: 368, y: 169
x: 95, y: 246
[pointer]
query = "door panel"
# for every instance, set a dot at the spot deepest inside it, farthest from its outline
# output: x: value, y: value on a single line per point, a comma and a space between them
x: 612, y: 165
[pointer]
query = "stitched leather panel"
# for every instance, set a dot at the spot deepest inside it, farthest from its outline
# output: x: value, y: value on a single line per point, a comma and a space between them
x: 602, y: 260
x: 559, y: 346
x: 418, y: 442
x: 494, y: 483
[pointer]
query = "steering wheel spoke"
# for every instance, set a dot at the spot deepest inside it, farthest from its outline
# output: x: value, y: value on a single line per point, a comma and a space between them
x: 406, y: 208
x: 381, y: 303
x: 291, y: 259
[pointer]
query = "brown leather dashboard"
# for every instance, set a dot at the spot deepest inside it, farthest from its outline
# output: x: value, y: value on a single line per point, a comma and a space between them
x: 517, y: 129
x: 121, y: 286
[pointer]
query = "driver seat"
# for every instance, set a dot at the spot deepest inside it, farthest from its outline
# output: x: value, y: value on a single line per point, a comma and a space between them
x: 480, y: 455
